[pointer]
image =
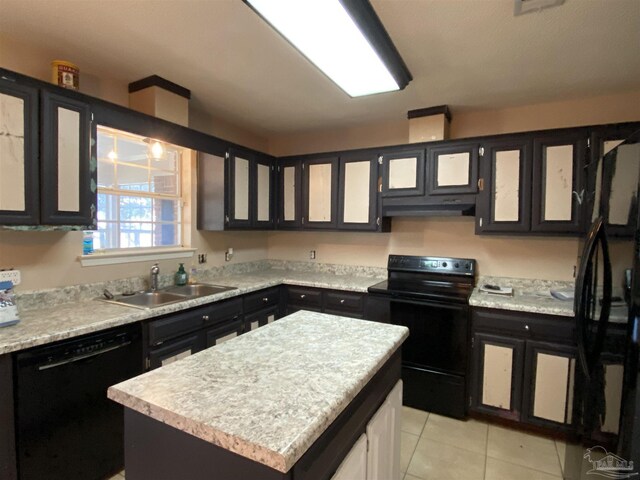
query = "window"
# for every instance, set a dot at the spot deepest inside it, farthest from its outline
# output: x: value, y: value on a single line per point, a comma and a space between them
x: 139, y: 192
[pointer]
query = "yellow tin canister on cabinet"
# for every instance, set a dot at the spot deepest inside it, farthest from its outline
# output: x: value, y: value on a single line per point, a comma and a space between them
x: 65, y: 74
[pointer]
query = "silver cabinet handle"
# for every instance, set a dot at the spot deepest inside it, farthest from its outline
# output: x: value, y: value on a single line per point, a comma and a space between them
x: 302, y: 296
x: 526, y: 327
x: 265, y: 299
x: 342, y: 300
x: 205, y: 317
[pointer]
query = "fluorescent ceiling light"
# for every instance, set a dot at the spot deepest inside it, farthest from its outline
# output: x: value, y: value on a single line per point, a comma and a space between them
x: 332, y: 38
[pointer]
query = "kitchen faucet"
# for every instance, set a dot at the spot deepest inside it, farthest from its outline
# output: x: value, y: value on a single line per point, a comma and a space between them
x: 155, y: 271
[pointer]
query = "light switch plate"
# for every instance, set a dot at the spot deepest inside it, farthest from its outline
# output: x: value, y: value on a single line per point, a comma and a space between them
x: 10, y: 275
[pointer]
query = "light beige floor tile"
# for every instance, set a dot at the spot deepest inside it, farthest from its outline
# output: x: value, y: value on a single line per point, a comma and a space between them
x: 470, y: 435
x: 499, y: 470
x: 561, y: 447
x: 434, y: 460
x: 532, y: 451
x: 411, y: 477
x: 413, y: 420
x: 408, y: 444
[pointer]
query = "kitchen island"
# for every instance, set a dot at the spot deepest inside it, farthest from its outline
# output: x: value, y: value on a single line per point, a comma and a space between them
x: 286, y: 401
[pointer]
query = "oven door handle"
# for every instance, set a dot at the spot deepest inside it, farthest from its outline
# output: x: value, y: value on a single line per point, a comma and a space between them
x: 426, y: 303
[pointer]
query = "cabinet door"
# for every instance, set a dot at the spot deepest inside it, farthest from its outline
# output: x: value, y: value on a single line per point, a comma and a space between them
x: 504, y: 203
x: 263, y: 204
x: 559, y: 189
x: 239, y: 192
x: 19, y: 172
x: 452, y: 168
x: 211, y: 192
x: 383, y: 438
x: 223, y: 332
x: 68, y: 162
x: 354, y: 466
x: 289, y: 194
x: 261, y: 318
x: 175, y: 350
x: 358, y: 197
x: 548, y: 383
x: 320, y: 193
x: 403, y: 173
x: 602, y: 141
x: 498, y: 364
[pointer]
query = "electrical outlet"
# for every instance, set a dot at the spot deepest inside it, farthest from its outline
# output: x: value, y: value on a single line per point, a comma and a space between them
x: 10, y: 275
x: 312, y: 254
x: 202, y: 258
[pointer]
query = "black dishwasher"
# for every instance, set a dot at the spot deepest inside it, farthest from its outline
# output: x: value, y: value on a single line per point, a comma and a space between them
x: 66, y: 428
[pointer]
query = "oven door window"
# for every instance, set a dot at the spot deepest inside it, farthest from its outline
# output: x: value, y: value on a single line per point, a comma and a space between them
x: 437, y: 335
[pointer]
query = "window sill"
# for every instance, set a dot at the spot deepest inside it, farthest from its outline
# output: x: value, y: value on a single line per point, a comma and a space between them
x: 130, y: 256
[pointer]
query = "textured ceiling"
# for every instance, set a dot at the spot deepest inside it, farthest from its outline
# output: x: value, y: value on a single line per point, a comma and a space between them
x: 466, y: 53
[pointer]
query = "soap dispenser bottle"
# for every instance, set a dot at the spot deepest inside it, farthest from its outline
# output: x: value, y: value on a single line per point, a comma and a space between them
x: 181, y: 275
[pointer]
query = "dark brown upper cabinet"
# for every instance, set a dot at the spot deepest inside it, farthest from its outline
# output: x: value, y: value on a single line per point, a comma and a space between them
x: 504, y: 202
x: 403, y: 172
x: 559, y: 188
x: 68, y: 161
x: 19, y: 165
x: 250, y: 191
x: 320, y: 193
x: 47, y: 157
x: 289, y: 193
x: 357, y: 192
x: 452, y: 168
x: 600, y: 180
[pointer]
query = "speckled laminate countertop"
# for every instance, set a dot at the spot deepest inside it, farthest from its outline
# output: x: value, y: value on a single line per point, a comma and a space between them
x: 40, y: 326
x: 269, y: 394
x: 533, y: 296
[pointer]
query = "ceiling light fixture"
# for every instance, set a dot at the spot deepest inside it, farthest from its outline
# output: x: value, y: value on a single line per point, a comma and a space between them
x: 156, y: 150
x: 343, y: 38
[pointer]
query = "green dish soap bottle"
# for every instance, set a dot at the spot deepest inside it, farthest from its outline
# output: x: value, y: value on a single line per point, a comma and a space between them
x: 181, y: 275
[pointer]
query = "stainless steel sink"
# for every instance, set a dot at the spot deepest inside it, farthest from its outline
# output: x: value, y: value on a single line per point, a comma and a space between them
x: 147, y: 299
x: 198, y: 289
x: 166, y: 296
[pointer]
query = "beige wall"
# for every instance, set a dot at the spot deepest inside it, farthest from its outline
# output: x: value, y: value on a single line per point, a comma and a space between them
x: 516, y: 256
x: 509, y: 256
x: 622, y: 107
x: 50, y: 259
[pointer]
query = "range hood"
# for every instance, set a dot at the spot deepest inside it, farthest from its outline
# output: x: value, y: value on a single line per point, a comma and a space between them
x: 450, y: 209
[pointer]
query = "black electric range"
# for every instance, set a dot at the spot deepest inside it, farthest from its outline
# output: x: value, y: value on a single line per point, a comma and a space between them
x: 430, y: 296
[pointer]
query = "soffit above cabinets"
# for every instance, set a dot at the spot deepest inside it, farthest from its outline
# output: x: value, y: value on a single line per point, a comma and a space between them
x: 468, y: 54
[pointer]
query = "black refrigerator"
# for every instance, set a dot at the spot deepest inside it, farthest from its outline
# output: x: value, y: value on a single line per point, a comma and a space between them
x: 605, y: 399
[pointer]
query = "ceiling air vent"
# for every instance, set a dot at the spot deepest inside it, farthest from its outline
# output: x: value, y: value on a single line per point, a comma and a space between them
x: 525, y: 6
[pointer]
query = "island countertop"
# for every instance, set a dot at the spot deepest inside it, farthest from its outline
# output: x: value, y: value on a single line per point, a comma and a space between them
x: 269, y: 394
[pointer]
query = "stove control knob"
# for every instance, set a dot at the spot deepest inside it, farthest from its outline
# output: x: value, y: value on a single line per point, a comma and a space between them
x: 444, y: 264
x: 468, y: 266
x: 457, y: 265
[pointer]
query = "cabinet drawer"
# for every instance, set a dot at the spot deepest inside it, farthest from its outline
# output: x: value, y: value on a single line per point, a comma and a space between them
x: 347, y: 302
x: 261, y: 299
x: 304, y: 297
x: 224, y: 311
x: 525, y: 325
x: 177, y: 324
x: 260, y: 318
x: 175, y: 350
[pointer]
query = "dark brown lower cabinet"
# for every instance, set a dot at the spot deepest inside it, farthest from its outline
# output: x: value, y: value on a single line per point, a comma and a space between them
x: 335, y: 302
x: 523, y: 368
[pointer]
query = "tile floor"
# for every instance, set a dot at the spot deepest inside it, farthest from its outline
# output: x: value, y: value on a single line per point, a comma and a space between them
x: 436, y: 447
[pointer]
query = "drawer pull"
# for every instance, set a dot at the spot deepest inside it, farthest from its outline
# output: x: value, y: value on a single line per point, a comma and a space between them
x: 342, y: 300
x: 205, y: 317
x: 265, y: 299
x: 526, y: 327
x: 302, y: 296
